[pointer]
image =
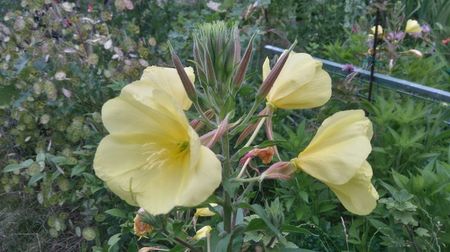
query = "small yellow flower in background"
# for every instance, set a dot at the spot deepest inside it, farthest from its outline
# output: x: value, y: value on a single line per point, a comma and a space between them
x: 152, y: 157
x: 380, y: 30
x: 337, y: 156
x: 412, y: 26
x: 301, y: 84
x: 202, y: 233
x: 140, y: 228
x: 167, y: 79
x: 205, y: 211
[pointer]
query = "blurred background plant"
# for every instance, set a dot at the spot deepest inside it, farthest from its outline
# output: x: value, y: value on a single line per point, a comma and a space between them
x: 61, y: 60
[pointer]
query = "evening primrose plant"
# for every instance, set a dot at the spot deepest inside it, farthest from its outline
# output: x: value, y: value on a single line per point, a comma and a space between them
x: 187, y: 167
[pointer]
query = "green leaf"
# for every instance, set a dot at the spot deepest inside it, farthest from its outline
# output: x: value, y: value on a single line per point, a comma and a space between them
x: 259, y: 210
x: 77, y: 170
x: 114, y: 239
x: 12, y: 167
x: 116, y: 213
x: 294, y: 229
x: 256, y: 224
x: 35, y: 178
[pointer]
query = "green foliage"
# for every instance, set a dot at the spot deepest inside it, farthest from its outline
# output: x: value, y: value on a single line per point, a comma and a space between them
x: 58, y: 67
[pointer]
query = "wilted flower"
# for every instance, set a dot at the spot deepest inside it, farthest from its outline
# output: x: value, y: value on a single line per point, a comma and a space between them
x: 380, y: 30
x: 167, y: 79
x: 302, y: 83
x: 140, y: 228
x: 265, y: 154
x: 205, y: 211
x: 412, y: 26
x: 202, y: 233
x: 152, y: 157
x: 337, y: 157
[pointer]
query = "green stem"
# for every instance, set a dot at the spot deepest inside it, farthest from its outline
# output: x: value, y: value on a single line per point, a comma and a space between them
x: 247, y: 180
x: 258, y: 127
x: 180, y: 241
x: 202, y: 114
x: 248, y: 116
x: 227, y: 206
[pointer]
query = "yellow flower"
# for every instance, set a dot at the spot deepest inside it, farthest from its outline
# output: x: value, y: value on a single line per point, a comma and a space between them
x: 302, y: 83
x: 167, y: 79
x: 202, y: 233
x: 380, y: 30
x: 204, y: 211
x: 152, y: 157
x: 412, y: 26
x: 337, y: 157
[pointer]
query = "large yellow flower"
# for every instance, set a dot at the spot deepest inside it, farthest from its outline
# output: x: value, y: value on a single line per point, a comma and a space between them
x: 167, y: 79
x: 152, y: 157
x: 302, y: 83
x: 412, y: 26
x: 337, y: 157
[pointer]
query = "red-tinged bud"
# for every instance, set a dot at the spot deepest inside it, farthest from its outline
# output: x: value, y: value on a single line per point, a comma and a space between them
x: 211, y: 138
x: 279, y: 170
x: 198, y: 124
x: 187, y: 84
x: 243, y: 64
x: 273, y: 74
x: 251, y: 128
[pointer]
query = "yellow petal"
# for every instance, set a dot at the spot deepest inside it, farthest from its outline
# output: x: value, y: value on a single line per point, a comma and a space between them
x: 380, y: 30
x: 132, y: 113
x: 358, y: 195
x: 339, y: 148
x: 319, y: 88
x: 203, y: 179
x: 202, y: 233
x: 168, y: 80
x: 205, y: 211
x: 301, y: 84
x: 109, y: 161
x: 153, y: 158
x: 266, y: 68
x: 412, y: 26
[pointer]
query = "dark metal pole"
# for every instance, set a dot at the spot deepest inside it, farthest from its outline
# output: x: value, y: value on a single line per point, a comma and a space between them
x: 374, y: 54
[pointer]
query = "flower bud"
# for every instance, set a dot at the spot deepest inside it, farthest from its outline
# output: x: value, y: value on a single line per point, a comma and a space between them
x: 216, y: 53
x: 202, y: 233
x: 268, y: 82
x: 187, y: 84
x: 279, y: 170
x: 412, y: 26
x: 416, y: 53
x: 379, y: 29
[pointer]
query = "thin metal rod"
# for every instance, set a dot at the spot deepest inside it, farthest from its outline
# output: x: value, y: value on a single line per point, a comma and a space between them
x: 410, y: 88
x: 374, y: 54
